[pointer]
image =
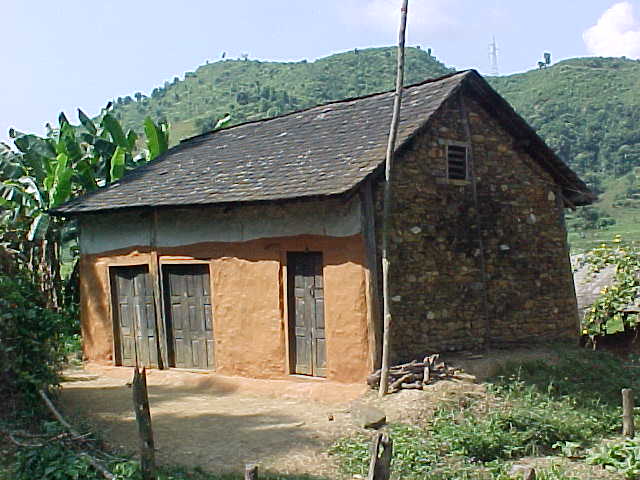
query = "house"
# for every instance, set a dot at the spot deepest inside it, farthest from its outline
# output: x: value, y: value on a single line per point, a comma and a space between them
x: 254, y: 250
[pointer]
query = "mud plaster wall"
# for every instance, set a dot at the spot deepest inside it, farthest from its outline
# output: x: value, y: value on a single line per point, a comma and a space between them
x: 468, y: 269
x: 249, y: 301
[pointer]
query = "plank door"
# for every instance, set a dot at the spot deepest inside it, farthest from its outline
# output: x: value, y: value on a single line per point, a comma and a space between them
x: 189, y: 315
x: 306, y: 314
x: 134, y: 314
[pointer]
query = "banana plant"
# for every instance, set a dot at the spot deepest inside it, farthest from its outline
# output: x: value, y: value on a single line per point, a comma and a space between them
x: 45, y: 172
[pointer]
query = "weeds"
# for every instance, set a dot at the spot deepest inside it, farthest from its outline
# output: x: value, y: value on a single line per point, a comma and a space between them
x: 622, y: 456
x: 536, y: 408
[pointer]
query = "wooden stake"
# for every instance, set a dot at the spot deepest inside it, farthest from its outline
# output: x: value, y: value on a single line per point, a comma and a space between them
x: 380, y: 464
x: 143, y: 419
x: 386, y: 214
x: 628, y: 427
x: 251, y: 471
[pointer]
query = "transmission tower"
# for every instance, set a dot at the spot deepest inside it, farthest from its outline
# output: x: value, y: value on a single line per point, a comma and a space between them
x: 493, y: 57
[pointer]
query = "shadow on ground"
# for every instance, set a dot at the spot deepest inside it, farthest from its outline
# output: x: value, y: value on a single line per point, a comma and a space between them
x: 214, y: 427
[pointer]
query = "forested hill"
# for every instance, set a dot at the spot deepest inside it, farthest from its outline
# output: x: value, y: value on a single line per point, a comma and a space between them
x: 586, y: 109
x: 251, y: 89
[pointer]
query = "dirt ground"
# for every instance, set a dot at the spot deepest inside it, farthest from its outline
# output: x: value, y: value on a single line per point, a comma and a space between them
x: 221, y: 423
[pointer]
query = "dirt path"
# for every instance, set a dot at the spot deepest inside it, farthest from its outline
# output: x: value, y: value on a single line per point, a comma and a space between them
x: 215, y: 423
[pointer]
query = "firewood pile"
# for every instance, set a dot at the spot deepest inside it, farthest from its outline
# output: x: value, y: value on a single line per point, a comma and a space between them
x: 414, y: 375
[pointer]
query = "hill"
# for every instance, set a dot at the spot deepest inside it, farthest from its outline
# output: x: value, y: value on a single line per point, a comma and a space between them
x: 586, y: 109
x: 251, y: 89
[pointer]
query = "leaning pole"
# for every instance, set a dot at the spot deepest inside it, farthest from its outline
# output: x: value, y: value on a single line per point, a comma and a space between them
x: 386, y: 213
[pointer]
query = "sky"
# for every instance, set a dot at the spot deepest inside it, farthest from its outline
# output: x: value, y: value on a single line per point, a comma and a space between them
x: 58, y: 56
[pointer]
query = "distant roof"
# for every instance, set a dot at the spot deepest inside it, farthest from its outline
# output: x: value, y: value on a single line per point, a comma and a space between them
x: 322, y: 151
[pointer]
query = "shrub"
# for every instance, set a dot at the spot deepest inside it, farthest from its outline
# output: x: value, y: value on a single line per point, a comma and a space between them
x: 622, y: 456
x: 32, y: 340
x: 605, y: 316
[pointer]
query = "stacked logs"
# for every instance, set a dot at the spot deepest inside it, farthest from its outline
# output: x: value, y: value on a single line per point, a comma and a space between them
x: 414, y: 375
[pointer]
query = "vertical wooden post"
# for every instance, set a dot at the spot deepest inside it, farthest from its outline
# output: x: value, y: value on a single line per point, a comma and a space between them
x: 251, y: 471
x: 628, y: 427
x: 386, y: 213
x: 143, y: 419
x: 380, y: 464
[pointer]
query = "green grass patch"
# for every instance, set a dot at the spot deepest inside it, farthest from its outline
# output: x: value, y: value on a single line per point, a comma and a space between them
x: 533, y: 408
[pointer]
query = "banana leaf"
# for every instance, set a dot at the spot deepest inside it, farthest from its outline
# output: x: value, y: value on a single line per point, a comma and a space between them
x: 87, y: 123
x: 115, y: 130
x: 117, y: 164
x: 38, y: 227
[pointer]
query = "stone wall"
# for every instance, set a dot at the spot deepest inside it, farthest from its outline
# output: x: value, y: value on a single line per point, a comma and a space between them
x: 475, y: 261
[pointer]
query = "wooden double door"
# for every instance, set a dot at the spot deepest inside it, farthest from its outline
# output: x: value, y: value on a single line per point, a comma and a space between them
x: 307, y: 340
x: 187, y: 316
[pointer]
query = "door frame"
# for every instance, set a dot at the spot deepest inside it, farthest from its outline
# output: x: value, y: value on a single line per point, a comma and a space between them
x: 170, y: 260
x: 286, y: 293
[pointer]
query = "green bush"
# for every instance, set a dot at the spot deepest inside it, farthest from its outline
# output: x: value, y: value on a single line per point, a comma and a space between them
x: 622, y: 456
x: 605, y: 316
x: 32, y: 343
x: 52, y: 462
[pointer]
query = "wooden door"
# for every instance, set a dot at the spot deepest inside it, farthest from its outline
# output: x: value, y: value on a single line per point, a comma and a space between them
x: 189, y: 316
x: 306, y: 314
x: 134, y: 315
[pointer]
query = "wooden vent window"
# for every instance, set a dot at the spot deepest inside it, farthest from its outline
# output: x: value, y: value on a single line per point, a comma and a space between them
x: 456, y: 162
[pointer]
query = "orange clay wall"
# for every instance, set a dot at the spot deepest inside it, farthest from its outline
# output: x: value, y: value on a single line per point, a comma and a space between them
x: 249, y: 288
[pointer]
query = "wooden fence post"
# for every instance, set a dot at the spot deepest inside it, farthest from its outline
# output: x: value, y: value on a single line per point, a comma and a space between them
x: 628, y: 427
x: 380, y: 464
x: 143, y: 419
x: 251, y: 471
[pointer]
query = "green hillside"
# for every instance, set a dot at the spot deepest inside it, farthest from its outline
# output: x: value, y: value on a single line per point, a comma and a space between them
x: 251, y: 89
x: 587, y: 110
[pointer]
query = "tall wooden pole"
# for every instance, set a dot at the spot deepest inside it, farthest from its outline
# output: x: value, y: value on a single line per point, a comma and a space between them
x: 386, y: 214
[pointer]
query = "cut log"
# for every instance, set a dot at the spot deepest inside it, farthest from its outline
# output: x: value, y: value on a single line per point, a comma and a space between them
x: 412, y: 386
x: 405, y: 378
x: 426, y: 369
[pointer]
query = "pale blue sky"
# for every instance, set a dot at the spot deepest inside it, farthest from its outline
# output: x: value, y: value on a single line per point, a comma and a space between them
x: 81, y: 53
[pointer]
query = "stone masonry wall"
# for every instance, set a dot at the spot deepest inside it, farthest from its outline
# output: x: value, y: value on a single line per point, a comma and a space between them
x: 472, y: 265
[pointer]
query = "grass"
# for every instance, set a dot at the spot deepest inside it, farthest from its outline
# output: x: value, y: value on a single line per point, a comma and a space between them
x: 627, y: 219
x: 532, y: 408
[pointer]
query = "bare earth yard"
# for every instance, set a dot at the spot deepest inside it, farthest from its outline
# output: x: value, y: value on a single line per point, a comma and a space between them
x: 216, y: 422
x: 222, y: 423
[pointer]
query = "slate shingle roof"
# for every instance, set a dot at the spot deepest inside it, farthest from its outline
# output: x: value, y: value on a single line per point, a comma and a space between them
x: 325, y: 150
